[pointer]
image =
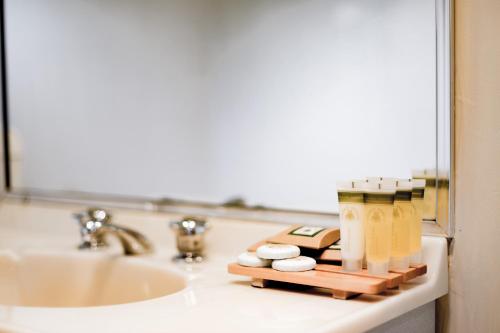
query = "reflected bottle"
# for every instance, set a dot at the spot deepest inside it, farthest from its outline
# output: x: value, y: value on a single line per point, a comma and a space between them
x: 378, y: 215
x: 417, y: 200
x: 351, y: 206
x: 428, y: 204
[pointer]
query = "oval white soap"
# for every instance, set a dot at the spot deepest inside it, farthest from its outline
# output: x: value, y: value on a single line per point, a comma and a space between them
x: 299, y: 264
x: 251, y: 260
x: 278, y: 251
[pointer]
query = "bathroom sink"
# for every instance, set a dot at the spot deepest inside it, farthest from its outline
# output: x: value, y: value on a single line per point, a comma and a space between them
x: 81, y: 280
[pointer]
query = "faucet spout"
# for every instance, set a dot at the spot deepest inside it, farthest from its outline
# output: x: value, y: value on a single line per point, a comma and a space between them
x: 133, y: 242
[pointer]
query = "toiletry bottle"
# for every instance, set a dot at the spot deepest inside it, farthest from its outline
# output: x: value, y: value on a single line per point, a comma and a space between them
x: 352, y: 236
x: 429, y: 203
x: 403, y: 217
x: 417, y: 200
x: 443, y: 193
x: 378, y: 214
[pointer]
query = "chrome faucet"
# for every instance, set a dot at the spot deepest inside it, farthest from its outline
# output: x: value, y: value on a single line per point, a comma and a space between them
x: 95, y: 224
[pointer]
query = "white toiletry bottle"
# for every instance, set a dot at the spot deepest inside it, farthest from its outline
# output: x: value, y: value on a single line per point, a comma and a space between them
x: 352, y: 235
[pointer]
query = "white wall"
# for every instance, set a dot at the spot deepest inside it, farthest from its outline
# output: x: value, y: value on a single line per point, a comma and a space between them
x: 198, y: 99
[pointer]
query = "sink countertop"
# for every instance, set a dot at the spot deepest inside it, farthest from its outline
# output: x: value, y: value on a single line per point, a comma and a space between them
x: 213, y: 300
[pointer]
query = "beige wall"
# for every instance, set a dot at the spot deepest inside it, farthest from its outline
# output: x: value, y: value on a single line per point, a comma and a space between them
x: 474, y: 299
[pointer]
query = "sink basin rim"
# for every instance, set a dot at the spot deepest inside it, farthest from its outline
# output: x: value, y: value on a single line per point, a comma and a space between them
x: 164, y: 280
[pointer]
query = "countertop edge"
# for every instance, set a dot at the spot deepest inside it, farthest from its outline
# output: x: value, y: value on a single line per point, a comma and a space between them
x: 391, y: 308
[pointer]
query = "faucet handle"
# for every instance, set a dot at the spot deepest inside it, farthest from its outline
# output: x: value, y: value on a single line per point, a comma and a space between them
x: 190, y: 238
x: 190, y: 225
x: 93, y: 218
x: 99, y: 215
x: 90, y: 222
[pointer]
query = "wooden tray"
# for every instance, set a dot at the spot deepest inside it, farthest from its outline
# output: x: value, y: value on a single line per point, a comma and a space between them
x: 342, y: 284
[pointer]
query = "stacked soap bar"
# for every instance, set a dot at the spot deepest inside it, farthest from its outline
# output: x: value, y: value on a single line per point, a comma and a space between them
x: 283, y: 251
x: 281, y: 257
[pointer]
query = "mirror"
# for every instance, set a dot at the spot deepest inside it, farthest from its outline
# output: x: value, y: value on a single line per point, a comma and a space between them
x: 269, y: 101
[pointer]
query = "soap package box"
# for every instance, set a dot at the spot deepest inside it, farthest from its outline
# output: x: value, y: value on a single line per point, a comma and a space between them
x: 315, y: 238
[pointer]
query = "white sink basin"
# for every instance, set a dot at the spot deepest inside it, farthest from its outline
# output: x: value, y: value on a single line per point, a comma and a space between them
x: 81, y: 280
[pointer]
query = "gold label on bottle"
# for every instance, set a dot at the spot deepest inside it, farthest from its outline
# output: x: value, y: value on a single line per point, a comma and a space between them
x: 403, y: 196
x: 379, y: 198
x: 418, y: 193
x: 354, y: 197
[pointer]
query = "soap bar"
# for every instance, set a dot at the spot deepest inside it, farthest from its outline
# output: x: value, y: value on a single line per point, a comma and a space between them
x: 308, y: 237
x: 299, y: 264
x: 278, y: 251
x: 251, y: 260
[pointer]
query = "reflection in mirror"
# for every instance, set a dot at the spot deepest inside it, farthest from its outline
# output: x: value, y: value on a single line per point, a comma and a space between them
x: 212, y: 100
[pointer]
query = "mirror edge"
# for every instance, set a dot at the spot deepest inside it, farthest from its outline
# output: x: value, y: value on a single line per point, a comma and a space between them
x: 445, y: 172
